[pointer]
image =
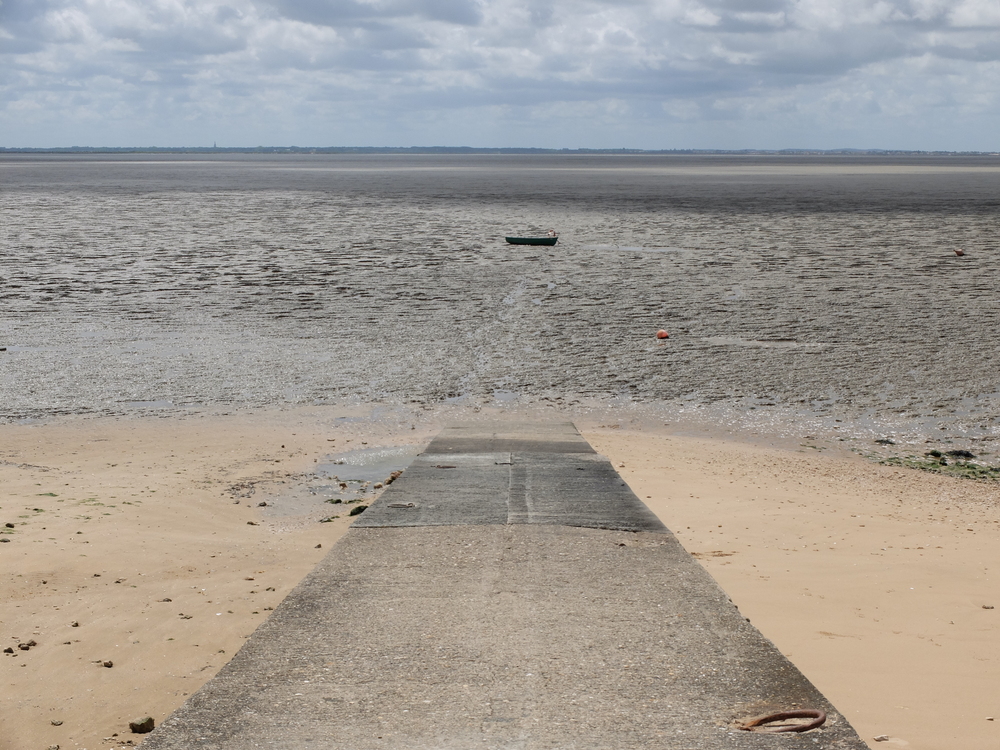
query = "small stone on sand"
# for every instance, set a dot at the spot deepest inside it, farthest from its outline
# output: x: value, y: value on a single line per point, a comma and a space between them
x: 141, y: 726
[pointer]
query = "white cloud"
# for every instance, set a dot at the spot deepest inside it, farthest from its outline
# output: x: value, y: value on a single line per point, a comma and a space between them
x: 698, y: 16
x: 981, y: 14
x: 400, y: 72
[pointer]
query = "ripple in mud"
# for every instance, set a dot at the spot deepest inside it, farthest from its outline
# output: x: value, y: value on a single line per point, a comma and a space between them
x: 772, y: 344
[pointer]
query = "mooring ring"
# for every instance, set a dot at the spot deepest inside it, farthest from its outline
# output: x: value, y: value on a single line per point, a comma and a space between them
x: 758, y: 725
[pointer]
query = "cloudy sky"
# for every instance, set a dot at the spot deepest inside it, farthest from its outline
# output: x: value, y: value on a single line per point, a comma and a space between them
x: 909, y: 74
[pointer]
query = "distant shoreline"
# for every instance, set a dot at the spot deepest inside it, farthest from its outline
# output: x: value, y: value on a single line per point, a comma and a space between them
x: 481, y: 151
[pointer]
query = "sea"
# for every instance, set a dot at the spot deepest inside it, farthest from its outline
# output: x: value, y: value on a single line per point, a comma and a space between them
x: 803, y: 295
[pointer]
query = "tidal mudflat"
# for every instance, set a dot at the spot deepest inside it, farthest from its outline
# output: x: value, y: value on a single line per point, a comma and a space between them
x: 801, y: 295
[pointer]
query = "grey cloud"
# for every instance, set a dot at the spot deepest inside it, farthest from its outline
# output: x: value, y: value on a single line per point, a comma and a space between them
x: 20, y: 20
x: 322, y: 12
x: 20, y: 11
x: 381, y: 36
x: 542, y: 14
x: 343, y: 12
x: 226, y: 13
x: 735, y: 15
x: 462, y: 12
x: 185, y: 36
x: 180, y: 43
x: 986, y: 51
x: 19, y: 44
x: 828, y: 54
x: 751, y: 6
x: 402, y: 62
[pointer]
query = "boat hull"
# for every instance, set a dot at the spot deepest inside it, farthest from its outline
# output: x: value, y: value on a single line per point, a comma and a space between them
x: 532, y: 240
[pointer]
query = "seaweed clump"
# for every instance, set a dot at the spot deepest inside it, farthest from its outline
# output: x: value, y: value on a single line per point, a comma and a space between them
x: 934, y: 461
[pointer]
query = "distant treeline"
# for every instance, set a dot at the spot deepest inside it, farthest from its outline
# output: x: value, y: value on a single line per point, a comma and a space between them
x: 470, y: 150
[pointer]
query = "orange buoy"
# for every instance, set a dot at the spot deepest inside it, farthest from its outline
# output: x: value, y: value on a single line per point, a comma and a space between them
x: 959, y: 252
x: 661, y: 334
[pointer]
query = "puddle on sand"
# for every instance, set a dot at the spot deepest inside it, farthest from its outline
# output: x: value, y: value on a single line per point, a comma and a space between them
x: 341, y: 479
x: 367, y: 464
x: 356, y: 473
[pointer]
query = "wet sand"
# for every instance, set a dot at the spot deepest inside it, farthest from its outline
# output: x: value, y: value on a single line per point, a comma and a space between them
x: 873, y: 579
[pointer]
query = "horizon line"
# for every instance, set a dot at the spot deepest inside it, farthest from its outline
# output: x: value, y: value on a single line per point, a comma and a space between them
x: 479, y: 150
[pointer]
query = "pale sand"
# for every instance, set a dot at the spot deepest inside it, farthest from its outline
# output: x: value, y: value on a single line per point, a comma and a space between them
x: 868, y: 577
x: 871, y: 579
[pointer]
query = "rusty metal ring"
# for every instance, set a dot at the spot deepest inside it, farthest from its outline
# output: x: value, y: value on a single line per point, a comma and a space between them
x: 818, y: 719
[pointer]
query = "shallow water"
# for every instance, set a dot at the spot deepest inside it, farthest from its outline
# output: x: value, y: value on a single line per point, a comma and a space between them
x: 811, y: 289
x: 367, y: 465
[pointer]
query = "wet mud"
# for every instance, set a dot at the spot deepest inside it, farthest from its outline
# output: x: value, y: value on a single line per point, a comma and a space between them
x: 816, y: 293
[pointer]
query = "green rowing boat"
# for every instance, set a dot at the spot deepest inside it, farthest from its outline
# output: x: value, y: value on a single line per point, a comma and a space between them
x: 532, y: 240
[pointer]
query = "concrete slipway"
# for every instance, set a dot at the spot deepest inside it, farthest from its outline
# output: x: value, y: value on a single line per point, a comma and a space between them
x: 507, y: 592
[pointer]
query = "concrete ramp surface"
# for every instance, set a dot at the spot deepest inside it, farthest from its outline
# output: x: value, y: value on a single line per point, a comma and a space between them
x: 507, y: 592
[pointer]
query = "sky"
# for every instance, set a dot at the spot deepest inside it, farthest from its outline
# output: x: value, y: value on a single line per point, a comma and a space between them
x: 653, y: 74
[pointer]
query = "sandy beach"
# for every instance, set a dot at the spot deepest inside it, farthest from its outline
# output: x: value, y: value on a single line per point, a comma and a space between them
x: 140, y: 558
x: 879, y: 583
